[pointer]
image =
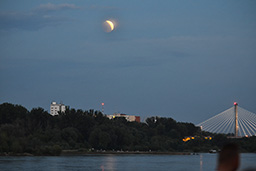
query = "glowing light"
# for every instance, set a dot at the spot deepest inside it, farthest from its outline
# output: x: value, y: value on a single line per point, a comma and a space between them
x: 102, y: 104
x: 109, y: 25
x: 208, y: 138
x: 235, y: 103
x: 186, y: 139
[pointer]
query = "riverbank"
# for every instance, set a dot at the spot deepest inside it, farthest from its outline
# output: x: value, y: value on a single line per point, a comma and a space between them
x: 102, y: 152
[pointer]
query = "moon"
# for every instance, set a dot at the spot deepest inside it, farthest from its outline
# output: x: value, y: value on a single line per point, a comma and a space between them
x: 108, y: 26
x: 111, y: 24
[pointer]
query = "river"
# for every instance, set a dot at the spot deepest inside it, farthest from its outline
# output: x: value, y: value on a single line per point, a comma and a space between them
x: 200, y: 162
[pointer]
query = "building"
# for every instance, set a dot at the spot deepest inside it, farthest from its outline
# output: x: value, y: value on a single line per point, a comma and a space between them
x: 56, y: 108
x: 130, y: 118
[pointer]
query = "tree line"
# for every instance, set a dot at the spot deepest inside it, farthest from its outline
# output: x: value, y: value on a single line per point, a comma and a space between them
x: 39, y: 133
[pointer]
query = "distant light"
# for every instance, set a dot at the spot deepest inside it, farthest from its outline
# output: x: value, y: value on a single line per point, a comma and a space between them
x: 235, y: 103
x: 102, y: 104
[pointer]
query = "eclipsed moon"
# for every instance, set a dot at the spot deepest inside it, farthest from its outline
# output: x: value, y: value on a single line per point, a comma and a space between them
x: 108, y: 26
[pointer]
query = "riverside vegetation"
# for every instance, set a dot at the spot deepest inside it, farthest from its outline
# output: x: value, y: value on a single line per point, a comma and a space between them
x: 37, y: 132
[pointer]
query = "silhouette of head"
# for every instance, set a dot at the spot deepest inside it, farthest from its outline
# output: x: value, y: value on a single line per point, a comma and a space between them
x: 229, y: 158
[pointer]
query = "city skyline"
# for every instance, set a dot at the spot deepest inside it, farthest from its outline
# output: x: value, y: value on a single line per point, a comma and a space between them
x: 188, y: 60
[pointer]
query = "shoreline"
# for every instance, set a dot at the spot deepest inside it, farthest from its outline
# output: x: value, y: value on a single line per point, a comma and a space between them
x: 84, y: 153
x: 76, y: 152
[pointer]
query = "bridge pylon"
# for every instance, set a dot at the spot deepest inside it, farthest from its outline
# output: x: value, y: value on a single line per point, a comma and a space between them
x: 234, y: 121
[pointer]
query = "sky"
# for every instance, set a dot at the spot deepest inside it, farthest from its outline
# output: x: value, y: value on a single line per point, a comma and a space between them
x: 188, y: 60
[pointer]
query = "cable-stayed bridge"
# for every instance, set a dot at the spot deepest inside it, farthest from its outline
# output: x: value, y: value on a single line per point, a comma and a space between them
x: 234, y: 120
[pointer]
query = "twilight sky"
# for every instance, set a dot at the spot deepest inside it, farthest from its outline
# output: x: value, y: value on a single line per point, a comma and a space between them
x: 188, y: 60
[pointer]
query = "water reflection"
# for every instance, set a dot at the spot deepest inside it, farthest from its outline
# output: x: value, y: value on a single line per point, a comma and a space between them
x: 201, y: 162
x: 109, y: 163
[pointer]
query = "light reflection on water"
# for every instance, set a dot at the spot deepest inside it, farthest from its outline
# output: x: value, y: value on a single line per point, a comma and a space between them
x: 109, y: 163
x: 201, y: 162
x: 124, y: 162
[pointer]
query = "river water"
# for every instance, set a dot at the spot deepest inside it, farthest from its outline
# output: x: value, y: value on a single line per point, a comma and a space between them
x: 122, y: 162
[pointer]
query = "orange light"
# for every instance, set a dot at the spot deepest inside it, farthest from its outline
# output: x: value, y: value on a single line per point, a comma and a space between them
x: 186, y: 139
x: 102, y: 104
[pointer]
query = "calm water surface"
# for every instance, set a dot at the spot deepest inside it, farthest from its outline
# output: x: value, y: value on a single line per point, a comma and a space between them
x: 119, y: 162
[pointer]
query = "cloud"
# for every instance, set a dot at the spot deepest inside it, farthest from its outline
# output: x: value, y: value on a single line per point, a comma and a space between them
x: 53, y: 7
x: 97, y: 7
x: 27, y: 21
x: 34, y: 19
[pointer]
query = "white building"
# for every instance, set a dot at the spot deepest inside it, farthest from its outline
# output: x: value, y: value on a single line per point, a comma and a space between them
x: 56, y: 108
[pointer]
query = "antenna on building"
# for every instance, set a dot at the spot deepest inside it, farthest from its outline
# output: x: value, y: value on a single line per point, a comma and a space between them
x: 102, y: 108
